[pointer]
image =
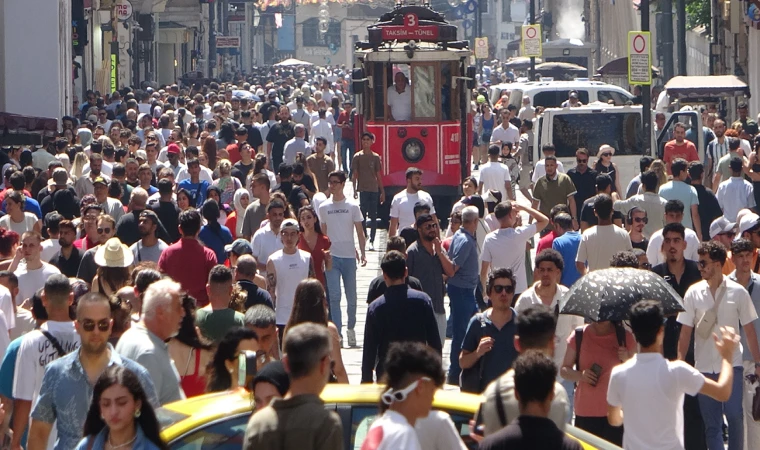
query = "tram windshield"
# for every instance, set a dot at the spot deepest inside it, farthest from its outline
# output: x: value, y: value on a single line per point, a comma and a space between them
x: 420, y: 91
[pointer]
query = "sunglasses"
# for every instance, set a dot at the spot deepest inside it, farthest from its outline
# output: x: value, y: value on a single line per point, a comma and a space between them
x: 641, y: 219
x: 499, y: 288
x: 606, y: 154
x: 391, y: 396
x: 89, y: 325
x: 646, y: 266
x: 702, y: 263
x: 151, y: 138
x: 582, y: 161
x: 104, y: 230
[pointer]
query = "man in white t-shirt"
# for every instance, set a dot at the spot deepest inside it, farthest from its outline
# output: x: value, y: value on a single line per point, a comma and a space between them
x: 266, y: 240
x: 495, y: 175
x: 286, y: 268
x: 505, y: 133
x: 400, y: 99
x: 732, y: 307
x: 505, y: 247
x: 415, y: 373
x: 339, y: 217
x: 646, y: 393
x: 402, y: 205
x: 32, y: 276
x: 54, y: 339
x: 673, y: 214
x: 539, y: 169
x: 601, y: 241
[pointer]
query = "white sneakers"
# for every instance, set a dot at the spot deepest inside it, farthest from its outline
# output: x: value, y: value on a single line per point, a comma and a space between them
x: 351, y: 334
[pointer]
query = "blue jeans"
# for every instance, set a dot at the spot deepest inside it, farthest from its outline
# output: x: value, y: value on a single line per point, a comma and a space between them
x: 346, y: 268
x: 368, y: 202
x: 570, y: 389
x: 347, y: 148
x: 713, y: 411
x: 463, y: 307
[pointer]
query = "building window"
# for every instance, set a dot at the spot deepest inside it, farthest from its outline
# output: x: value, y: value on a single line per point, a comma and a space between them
x: 506, y: 10
x: 313, y: 38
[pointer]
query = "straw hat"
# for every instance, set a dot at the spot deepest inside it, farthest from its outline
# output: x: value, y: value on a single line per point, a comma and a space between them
x: 114, y: 254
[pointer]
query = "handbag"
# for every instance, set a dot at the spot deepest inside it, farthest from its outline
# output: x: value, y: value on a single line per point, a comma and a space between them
x: 709, y: 319
x: 471, y: 380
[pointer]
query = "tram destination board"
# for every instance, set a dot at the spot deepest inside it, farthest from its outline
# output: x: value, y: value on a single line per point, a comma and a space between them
x: 411, y: 29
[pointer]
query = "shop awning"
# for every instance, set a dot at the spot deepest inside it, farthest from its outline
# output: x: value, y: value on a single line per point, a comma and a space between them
x: 694, y: 87
x: 170, y: 32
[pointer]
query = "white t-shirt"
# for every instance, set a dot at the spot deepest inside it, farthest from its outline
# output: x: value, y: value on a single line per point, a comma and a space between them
x: 504, y: 135
x: 654, y: 248
x: 391, y: 432
x: 438, y: 432
x: 30, y: 281
x: 290, y: 270
x: 340, y: 218
x: 493, y: 175
x: 651, y: 389
x: 505, y: 248
x: 49, y: 248
x: 19, y: 227
x: 36, y: 352
x: 402, y: 206
x: 400, y: 104
x: 6, y: 308
x: 539, y: 170
x: 599, y: 243
x: 264, y: 244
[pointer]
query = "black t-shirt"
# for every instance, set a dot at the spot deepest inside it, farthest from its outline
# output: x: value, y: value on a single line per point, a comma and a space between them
x: 709, y: 209
x: 256, y: 295
x: 254, y: 137
x: 690, y: 276
x: 377, y: 287
x: 587, y: 213
x: 410, y: 235
x: 308, y: 182
x: 279, y: 134
x: 168, y: 214
x: 641, y: 245
x: 241, y: 171
x: 68, y: 267
x: 585, y: 186
x: 530, y: 432
x: 294, y: 194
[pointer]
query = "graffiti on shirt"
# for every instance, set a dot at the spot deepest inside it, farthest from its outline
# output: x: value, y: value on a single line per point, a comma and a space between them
x: 48, y: 353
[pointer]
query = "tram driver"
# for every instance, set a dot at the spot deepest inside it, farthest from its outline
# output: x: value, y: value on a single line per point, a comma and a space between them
x: 400, y: 99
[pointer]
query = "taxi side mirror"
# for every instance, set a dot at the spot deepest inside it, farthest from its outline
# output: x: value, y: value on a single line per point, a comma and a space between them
x: 472, y: 71
x: 358, y: 79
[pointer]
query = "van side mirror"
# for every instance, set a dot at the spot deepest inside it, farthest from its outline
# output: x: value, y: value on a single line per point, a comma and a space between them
x: 472, y: 71
x: 358, y: 79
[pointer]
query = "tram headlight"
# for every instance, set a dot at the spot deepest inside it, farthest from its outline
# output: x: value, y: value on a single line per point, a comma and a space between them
x: 413, y: 150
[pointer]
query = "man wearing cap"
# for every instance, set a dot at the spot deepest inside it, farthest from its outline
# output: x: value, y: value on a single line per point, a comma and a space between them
x: 149, y: 247
x: 111, y: 206
x: 724, y: 231
x: 572, y: 100
x: 172, y: 154
x: 399, y: 99
x: 736, y: 193
x: 286, y: 268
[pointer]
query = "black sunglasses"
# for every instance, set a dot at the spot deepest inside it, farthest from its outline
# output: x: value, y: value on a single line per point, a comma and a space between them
x: 606, y: 154
x: 499, y: 288
x: 104, y: 230
x: 582, y: 161
x: 89, y: 325
x: 702, y: 263
x: 641, y: 219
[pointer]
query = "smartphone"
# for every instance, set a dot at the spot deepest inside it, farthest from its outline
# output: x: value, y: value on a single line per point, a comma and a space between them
x: 597, y: 369
x: 479, y: 428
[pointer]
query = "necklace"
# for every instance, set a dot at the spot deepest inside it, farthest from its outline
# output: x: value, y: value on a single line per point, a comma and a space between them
x: 120, y: 445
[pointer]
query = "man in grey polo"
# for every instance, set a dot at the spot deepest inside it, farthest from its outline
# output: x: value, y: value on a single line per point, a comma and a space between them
x: 427, y: 261
x: 145, y: 342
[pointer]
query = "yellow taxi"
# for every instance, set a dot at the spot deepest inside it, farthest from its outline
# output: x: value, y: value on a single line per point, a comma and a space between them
x: 218, y: 421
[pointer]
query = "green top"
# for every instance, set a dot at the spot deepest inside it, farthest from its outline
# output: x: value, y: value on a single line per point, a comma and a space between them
x: 214, y: 324
x: 553, y: 192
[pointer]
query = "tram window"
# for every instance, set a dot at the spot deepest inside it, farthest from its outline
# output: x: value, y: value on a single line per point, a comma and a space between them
x: 620, y: 130
x: 449, y: 102
x: 424, y: 91
x: 378, y: 91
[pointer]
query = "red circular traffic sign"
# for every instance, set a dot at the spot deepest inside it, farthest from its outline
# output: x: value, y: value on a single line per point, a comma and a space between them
x: 530, y: 33
x: 639, y: 43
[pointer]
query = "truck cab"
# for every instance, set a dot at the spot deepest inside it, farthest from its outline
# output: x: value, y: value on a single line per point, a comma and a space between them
x: 594, y: 125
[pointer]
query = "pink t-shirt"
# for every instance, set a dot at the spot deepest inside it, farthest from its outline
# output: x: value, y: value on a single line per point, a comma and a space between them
x: 591, y: 401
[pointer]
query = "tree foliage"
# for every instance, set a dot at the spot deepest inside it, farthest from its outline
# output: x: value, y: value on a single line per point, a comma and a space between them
x: 697, y: 13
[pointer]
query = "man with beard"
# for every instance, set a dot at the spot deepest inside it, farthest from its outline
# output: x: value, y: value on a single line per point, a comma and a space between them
x: 278, y: 135
x: 68, y: 257
x: 402, y: 205
x: 145, y: 342
x: 127, y: 229
x: 680, y: 273
x: 716, y: 149
x: 149, y: 247
x: 427, y: 261
x: 85, y: 184
x: 67, y: 388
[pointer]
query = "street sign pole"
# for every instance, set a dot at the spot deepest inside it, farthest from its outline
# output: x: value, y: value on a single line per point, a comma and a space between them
x: 532, y: 18
x: 646, y: 90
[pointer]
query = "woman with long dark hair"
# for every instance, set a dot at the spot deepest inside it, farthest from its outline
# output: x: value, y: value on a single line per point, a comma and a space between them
x: 190, y: 351
x: 213, y: 235
x: 310, y: 305
x: 222, y: 372
x: 185, y: 199
x: 209, y: 148
x: 314, y: 241
x: 260, y: 166
x: 120, y: 415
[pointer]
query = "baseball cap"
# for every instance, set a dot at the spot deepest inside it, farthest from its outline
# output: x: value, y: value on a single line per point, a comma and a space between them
x: 289, y: 223
x: 721, y: 225
x: 239, y: 247
x: 100, y: 180
x: 172, y: 149
x: 747, y: 222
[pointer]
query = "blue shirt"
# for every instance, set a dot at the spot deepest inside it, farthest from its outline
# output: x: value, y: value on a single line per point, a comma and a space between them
x: 216, y: 240
x: 66, y: 394
x: 678, y: 190
x: 503, y: 353
x: 99, y: 443
x: 7, y: 369
x: 567, y: 246
x: 464, y: 254
x: 198, y: 190
x: 30, y: 205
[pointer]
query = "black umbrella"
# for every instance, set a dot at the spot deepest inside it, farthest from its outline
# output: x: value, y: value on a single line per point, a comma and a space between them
x: 608, y: 294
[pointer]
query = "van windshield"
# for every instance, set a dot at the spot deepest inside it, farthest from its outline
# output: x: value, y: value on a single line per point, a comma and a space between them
x: 590, y: 131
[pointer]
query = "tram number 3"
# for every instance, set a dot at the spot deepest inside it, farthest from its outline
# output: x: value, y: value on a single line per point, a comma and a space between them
x: 410, y: 20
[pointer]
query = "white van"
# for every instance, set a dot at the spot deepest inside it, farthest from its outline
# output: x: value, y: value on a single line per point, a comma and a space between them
x: 593, y: 125
x: 551, y: 94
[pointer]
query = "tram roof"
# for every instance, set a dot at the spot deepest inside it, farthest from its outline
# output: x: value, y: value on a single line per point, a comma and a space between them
x: 423, y: 51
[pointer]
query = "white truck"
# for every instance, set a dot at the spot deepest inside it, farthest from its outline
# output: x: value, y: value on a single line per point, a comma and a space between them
x: 594, y: 125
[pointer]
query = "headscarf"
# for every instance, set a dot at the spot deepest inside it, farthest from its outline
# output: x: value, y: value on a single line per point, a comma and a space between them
x: 239, y: 210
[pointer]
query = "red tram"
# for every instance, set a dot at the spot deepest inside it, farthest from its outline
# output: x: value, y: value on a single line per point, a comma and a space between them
x: 436, y: 135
